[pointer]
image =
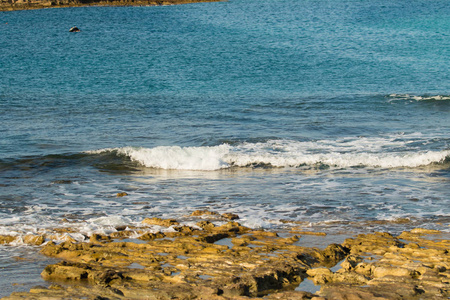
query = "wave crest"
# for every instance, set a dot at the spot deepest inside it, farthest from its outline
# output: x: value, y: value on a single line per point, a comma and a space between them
x: 177, y: 158
x: 419, y: 98
x: 346, y: 153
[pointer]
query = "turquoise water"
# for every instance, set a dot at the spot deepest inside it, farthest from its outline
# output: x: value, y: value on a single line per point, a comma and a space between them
x: 331, y: 113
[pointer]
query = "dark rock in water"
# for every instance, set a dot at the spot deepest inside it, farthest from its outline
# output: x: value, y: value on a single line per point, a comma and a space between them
x: 74, y: 29
x: 62, y: 181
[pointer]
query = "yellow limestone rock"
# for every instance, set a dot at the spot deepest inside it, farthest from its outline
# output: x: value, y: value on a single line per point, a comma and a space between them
x: 160, y: 222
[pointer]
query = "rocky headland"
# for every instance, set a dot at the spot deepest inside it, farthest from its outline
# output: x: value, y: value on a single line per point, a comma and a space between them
x: 7, y: 5
x: 217, y: 258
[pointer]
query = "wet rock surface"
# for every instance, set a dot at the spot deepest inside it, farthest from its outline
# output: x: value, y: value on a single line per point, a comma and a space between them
x: 230, y: 261
x: 381, y: 266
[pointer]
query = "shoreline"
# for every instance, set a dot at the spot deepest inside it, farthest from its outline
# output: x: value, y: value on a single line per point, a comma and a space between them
x: 14, y: 5
x: 218, y: 258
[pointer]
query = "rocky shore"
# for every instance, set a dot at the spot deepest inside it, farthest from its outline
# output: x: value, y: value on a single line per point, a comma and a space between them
x: 8, y: 5
x: 217, y: 258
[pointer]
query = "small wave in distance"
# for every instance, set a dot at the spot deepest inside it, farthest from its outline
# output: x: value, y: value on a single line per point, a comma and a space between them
x: 419, y: 98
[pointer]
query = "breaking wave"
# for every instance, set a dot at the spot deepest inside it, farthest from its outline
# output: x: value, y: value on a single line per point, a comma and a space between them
x: 419, y: 98
x: 344, y: 153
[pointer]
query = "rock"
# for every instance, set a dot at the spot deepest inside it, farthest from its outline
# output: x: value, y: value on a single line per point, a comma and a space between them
x: 320, y: 275
x: 404, y: 271
x: 103, y: 262
x: 382, y: 271
x: 345, y: 292
x: 66, y: 271
x: 62, y: 182
x: 243, y: 240
x: 231, y: 227
x: 37, y: 289
x: 6, y: 239
x: 350, y: 278
x: 206, y: 225
x: 302, y: 232
x: 264, y: 233
x: 184, y: 229
x: 351, y: 262
x: 160, y: 222
x: 214, y: 237
x: 364, y: 269
x: 293, y: 295
x: 151, y: 236
x: 192, y: 264
x: 29, y: 239
x: 97, y: 238
x: 424, y: 231
x: 121, y: 227
x: 412, y: 246
x: 34, y: 239
x: 211, y: 250
x: 334, y: 253
x: 230, y: 216
x: 199, y: 213
x: 377, y: 243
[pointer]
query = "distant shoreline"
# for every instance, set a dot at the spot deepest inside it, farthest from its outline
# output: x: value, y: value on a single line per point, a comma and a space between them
x: 11, y: 5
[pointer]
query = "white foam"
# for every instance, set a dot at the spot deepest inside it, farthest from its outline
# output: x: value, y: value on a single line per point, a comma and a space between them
x: 381, y: 152
x: 419, y: 98
x: 111, y: 221
x: 180, y: 158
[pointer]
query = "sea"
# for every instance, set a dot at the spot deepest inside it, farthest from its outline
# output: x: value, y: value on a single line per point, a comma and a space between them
x: 329, y: 115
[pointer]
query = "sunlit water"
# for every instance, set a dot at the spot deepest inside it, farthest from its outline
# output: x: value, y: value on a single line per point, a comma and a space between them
x: 330, y: 114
